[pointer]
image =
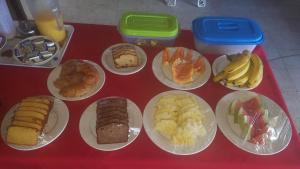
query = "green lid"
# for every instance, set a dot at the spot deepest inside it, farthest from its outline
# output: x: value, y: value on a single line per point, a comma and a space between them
x: 148, y: 25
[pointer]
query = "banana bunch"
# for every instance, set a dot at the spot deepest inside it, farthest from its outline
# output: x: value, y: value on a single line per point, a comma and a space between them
x: 244, y: 70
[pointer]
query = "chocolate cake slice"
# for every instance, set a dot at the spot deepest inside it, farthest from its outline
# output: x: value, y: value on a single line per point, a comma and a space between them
x: 112, y: 121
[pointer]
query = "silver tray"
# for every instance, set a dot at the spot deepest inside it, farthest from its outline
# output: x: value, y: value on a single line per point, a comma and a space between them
x: 4, y: 60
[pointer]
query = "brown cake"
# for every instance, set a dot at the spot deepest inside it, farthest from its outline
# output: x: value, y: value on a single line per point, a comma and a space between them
x: 112, y: 121
x: 124, y: 56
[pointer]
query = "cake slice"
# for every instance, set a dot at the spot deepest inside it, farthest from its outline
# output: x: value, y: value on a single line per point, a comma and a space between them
x: 33, y: 114
x: 112, y: 133
x: 22, y: 136
x: 28, y: 119
x: 26, y: 124
x: 124, y: 56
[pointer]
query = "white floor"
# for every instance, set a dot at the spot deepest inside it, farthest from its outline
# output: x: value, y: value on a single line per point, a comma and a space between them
x: 278, y: 19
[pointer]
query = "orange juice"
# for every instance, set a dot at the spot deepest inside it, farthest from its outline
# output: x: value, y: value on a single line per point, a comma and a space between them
x: 47, y: 25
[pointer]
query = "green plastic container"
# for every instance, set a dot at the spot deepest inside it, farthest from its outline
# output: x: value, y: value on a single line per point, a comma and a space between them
x: 149, y: 29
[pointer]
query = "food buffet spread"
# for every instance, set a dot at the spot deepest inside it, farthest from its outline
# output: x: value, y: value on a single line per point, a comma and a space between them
x: 140, y: 96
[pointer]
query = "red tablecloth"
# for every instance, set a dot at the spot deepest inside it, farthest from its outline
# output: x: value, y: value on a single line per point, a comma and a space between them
x: 70, y: 151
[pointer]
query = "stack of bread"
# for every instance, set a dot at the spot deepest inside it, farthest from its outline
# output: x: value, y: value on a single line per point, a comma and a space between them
x: 29, y: 120
x: 125, y: 56
x: 112, y: 121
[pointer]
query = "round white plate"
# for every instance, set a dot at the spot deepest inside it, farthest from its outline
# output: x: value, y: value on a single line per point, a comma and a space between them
x: 163, y: 143
x: 108, y: 63
x: 219, y: 64
x: 55, y: 75
x: 231, y: 130
x: 164, y: 73
x: 87, y: 126
x: 57, y: 122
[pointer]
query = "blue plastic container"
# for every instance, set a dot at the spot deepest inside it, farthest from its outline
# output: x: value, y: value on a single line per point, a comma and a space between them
x: 226, y: 35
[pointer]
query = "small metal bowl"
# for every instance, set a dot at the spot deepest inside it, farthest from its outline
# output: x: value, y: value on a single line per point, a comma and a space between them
x: 35, y: 50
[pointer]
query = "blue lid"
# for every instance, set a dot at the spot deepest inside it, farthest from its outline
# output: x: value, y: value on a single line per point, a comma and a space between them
x: 227, y: 30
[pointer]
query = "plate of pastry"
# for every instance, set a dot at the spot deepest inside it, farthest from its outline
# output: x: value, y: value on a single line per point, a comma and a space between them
x: 76, y: 80
x: 124, y: 59
x: 34, y: 122
x: 179, y: 122
x: 110, y: 123
x: 253, y: 122
x: 181, y: 68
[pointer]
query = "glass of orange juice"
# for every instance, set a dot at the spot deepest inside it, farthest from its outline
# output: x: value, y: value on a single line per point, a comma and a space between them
x: 48, y: 18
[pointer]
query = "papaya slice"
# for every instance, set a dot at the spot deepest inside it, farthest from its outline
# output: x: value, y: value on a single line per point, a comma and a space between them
x: 199, y: 65
x: 189, y: 56
x: 165, y: 56
x: 182, y: 73
x: 179, y: 53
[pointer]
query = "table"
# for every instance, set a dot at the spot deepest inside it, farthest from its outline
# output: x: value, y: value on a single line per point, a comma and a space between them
x: 70, y: 151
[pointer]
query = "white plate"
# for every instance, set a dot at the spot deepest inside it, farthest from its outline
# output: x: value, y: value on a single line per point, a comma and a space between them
x: 163, y: 143
x: 57, y: 122
x: 231, y: 130
x: 87, y: 126
x: 108, y: 63
x: 219, y: 64
x: 55, y: 75
x: 41, y: 62
x: 164, y: 73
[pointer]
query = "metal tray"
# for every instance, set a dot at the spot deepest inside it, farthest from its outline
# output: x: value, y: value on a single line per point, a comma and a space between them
x: 5, y: 60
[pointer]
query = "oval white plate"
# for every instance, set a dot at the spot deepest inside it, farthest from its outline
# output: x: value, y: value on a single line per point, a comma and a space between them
x: 108, y: 63
x: 57, y: 122
x: 230, y: 130
x: 55, y: 91
x: 219, y: 64
x: 87, y: 126
x: 163, y: 143
x: 164, y: 73
x: 42, y: 62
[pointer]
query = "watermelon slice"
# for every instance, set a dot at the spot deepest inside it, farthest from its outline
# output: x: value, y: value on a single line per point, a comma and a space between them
x: 251, y: 106
x: 252, y: 119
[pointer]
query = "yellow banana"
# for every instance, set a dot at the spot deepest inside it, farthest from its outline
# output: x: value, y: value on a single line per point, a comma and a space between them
x: 229, y: 84
x: 238, y: 62
x: 239, y: 72
x: 241, y: 81
x: 256, y: 72
x: 220, y: 76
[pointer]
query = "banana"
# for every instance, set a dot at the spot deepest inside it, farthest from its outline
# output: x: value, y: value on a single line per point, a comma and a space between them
x: 238, y: 72
x: 256, y: 72
x: 238, y: 62
x: 241, y: 81
x: 220, y: 76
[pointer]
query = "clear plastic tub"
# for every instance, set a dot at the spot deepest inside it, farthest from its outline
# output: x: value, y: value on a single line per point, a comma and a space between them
x: 147, y: 29
x: 226, y: 35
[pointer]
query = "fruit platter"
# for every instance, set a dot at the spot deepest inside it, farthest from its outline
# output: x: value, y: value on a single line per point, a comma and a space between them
x: 253, y: 122
x: 179, y: 122
x: 181, y: 68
